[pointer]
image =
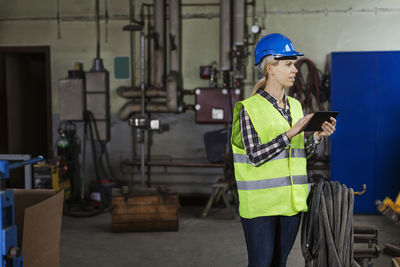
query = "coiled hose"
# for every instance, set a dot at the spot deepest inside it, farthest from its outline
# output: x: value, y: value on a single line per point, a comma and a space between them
x: 307, y: 88
x: 327, y: 229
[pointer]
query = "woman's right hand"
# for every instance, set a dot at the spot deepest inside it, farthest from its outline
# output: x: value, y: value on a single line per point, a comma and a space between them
x: 299, y: 126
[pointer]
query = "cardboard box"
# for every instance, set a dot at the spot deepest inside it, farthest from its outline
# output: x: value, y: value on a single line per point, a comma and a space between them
x: 38, y: 215
x: 395, y: 262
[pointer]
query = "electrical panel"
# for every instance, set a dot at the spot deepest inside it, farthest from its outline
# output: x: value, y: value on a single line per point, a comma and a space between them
x: 212, y: 104
x: 71, y: 97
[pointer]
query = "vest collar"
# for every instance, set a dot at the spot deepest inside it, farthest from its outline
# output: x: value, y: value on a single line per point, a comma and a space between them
x: 275, y: 110
x: 273, y: 100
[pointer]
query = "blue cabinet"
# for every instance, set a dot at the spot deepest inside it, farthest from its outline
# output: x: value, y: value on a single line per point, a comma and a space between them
x: 365, y: 89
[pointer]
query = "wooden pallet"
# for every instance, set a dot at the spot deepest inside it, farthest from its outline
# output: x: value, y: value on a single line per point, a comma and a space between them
x: 145, y: 212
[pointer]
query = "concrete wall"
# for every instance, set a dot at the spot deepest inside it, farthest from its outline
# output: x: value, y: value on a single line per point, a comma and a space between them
x: 320, y: 27
x: 315, y: 27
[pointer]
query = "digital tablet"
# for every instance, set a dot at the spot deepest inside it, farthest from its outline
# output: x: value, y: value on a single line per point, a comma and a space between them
x: 318, y: 119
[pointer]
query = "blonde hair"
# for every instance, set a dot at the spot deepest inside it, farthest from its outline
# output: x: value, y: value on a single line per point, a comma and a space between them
x: 263, y: 67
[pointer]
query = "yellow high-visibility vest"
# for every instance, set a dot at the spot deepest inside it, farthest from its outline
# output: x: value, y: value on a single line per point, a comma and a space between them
x: 278, y: 186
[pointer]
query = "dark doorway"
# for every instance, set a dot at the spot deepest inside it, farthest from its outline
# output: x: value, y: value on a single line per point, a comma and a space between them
x: 25, y: 102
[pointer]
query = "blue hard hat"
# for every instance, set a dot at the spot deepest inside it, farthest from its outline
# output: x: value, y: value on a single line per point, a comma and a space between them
x: 274, y: 44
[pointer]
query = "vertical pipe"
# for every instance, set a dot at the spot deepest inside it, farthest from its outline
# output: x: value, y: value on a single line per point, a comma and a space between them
x: 253, y: 73
x: 142, y: 147
x: 225, y: 35
x: 175, y: 35
x: 132, y: 41
x: 142, y: 85
x: 148, y: 156
x: 159, y: 42
x: 97, y: 8
x: 150, y: 31
x: 142, y: 71
x: 239, y: 7
x: 132, y: 54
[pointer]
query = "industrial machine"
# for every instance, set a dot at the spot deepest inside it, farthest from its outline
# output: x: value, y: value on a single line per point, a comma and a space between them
x: 10, y: 252
x: 160, y: 90
x: 161, y: 87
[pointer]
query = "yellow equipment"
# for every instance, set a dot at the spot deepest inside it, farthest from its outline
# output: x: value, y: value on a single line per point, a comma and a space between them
x: 48, y: 176
x: 390, y: 209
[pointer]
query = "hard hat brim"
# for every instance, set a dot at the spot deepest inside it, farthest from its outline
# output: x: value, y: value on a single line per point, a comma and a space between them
x: 282, y: 56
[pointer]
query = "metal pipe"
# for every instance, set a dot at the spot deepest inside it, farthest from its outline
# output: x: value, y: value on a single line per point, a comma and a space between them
x: 142, y: 103
x: 173, y: 81
x: 176, y: 164
x: 97, y: 8
x: 27, y: 162
x: 135, y: 92
x: 201, y: 4
x: 115, y: 17
x: 253, y: 70
x: 365, y: 229
x: 149, y: 48
x: 134, y: 107
x: 210, y: 15
x: 132, y: 63
x: 362, y: 192
x: 366, y: 238
x: 149, y: 137
x: 239, y: 16
x: 132, y: 40
x: 142, y: 71
x: 366, y: 252
x: 225, y: 36
x: 159, y: 42
x: 175, y: 35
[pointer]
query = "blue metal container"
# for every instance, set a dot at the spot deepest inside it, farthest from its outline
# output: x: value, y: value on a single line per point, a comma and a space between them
x: 365, y: 89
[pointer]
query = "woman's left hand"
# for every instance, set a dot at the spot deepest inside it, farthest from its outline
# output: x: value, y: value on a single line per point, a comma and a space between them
x: 327, y: 129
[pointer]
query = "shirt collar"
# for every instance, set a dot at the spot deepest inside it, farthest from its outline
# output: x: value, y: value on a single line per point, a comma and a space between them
x: 271, y: 98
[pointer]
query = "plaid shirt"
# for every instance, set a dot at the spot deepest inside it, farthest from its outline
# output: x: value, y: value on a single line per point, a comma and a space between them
x: 259, y: 153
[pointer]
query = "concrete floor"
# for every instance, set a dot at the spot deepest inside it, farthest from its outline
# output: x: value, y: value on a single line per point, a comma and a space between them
x: 212, y: 241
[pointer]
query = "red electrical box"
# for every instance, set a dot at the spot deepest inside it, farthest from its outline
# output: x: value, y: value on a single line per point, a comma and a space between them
x: 212, y: 104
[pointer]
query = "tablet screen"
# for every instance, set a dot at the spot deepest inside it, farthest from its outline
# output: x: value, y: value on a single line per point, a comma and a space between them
x: 318, y: 119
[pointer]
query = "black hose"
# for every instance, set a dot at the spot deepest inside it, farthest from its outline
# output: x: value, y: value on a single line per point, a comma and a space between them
x: 327, y: 229
x: 332, y: 250
x: 91, y: 132
x: 310, y: 231
x: 329, y: 202
x: 89, y: 119
x: 322, y: 247
x: 343, y: 222
x: 337, y: 204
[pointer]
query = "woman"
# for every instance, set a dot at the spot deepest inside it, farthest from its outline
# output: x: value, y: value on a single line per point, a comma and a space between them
x: 270, y: 155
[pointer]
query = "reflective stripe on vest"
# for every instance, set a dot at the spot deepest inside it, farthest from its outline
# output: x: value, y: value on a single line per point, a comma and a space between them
x: 296, y: 153
x: 271, y: 183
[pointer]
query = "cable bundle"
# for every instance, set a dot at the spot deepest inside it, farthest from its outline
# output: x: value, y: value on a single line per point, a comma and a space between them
x: 306, y: 88
x: 327, y: 229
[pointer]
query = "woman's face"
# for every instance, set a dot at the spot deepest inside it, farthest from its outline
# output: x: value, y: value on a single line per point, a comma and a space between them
x: 284, y: 72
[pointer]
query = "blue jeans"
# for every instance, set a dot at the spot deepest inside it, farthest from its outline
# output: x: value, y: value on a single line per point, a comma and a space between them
x: 270, y: 239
